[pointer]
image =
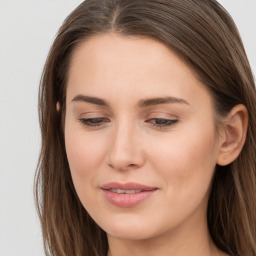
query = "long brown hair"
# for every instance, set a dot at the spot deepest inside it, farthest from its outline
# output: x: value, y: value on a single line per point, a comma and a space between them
x: 203, y: 34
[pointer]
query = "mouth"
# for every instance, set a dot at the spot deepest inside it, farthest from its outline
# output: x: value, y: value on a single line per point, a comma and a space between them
x: 122, y: 191
x: 128, y: 194
x: 130, y: 186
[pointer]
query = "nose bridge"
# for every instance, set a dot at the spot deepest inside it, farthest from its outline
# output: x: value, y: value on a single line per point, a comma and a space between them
x: 125, y: 151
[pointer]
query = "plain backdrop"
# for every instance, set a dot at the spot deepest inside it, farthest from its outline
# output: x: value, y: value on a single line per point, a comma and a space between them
x: 27, y: 30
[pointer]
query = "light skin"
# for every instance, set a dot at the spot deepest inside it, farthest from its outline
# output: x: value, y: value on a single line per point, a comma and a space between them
x: 136, y: 113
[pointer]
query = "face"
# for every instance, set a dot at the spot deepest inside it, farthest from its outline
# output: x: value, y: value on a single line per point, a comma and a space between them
x: 140, y: 137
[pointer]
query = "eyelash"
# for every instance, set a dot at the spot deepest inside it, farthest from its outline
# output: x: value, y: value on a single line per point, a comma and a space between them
x: 155, y: 122
x: 93, y: 122
x: 162, y: 122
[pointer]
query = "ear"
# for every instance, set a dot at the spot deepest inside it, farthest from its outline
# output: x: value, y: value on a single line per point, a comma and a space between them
x: 233, y: 135
x: 58, y: 107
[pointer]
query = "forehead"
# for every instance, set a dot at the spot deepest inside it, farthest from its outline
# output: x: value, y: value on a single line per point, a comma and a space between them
x: 129, y: 52
x: 129, y: 66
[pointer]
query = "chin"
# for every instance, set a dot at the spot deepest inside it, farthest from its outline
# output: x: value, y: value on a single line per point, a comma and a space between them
x: 128, y: 234
x: 129, y: 228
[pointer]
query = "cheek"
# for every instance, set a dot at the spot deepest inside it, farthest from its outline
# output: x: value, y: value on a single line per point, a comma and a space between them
x: 85, y: 156
x: 80, y: 156
x: 187, y: 162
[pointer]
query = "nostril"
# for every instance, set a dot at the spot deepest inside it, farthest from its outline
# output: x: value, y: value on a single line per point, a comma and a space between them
x: 123, y: 167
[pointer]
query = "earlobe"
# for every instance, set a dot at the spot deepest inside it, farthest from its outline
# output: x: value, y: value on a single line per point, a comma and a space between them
x: 234, y: 130
x: 58, y: 106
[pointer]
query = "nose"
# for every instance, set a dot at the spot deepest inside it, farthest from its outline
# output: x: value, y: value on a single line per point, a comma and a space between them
x: 125, y: 151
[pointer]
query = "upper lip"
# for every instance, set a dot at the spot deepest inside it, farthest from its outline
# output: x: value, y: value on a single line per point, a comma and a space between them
x: 127, y: 186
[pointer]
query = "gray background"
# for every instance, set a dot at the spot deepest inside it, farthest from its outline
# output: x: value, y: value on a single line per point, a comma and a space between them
x: 27, y: 29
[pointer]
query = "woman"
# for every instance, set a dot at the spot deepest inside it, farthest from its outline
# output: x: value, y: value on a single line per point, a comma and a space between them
x: 147, y: 112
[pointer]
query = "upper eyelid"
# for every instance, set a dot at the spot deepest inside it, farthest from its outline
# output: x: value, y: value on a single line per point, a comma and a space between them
x: 150, y: 113
x: 147, y: 117
x: 93, y: 114
x: 162, y: 115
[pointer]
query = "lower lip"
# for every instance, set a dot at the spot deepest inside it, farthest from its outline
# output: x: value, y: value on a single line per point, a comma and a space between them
x: 127, y: 200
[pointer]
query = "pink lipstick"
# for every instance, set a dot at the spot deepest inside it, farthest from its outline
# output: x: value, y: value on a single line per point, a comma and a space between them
x: 128, y: 194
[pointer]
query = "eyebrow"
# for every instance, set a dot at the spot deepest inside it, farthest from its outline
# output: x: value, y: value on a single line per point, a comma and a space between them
x: 160, y: 100
x: 142, y: 103
x: 89, y: 99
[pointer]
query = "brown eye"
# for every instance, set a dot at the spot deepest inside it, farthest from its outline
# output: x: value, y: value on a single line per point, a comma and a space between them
x: 92, y: 122
x: 162, y: 122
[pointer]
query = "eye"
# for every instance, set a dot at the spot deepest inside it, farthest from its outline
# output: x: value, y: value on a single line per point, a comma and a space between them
x: 162, y: 122
x: 94, y: 122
